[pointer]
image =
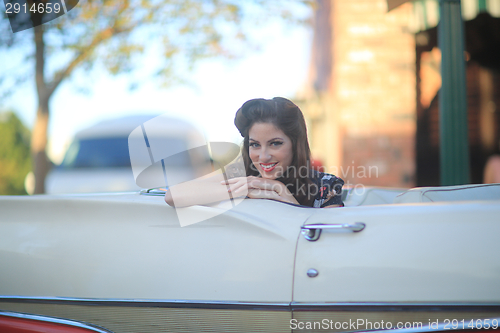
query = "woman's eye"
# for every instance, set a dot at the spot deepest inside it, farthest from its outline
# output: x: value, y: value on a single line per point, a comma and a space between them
x: 254, y: 145
x: 276, y: 143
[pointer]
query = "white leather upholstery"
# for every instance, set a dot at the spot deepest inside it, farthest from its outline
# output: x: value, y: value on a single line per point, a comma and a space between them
x: 365, y: 196
x: 450, y: 193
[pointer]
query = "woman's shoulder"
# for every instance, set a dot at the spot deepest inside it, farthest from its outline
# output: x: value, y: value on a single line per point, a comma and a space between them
x: 329, y: 189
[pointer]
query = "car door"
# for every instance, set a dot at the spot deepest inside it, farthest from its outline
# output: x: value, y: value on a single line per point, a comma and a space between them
x: 124, y: 262
x: 396, y: 263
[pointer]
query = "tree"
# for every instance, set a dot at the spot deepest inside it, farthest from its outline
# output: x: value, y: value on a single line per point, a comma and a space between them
x: 114, y: 34
x: 15, y: 161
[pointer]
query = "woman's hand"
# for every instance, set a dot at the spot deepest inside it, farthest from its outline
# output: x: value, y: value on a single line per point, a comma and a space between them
x: 259, y: 188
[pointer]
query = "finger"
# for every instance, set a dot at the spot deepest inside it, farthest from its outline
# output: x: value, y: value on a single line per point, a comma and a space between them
x: 269, y: 185
x: 235, y: 186
x: 229, y: 181
x: 240, y: 191
x: 234, y: 180
x: 242, y: 181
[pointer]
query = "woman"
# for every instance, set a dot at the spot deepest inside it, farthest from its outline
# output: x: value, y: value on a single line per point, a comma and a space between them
x: 276, y: 156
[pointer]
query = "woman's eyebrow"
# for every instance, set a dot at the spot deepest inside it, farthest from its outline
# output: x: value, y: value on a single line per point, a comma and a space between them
x: 277, y: 138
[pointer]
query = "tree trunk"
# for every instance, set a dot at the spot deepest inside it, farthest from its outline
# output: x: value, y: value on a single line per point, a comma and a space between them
x: 39, y: 136
x: 38, y: 147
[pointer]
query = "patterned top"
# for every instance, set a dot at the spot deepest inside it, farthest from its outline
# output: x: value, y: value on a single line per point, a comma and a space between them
x: 329, y: 189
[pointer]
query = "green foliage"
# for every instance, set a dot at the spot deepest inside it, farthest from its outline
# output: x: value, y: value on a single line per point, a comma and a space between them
x: 15, y: 159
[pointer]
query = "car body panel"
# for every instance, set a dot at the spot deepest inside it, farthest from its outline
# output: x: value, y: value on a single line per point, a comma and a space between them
x: 406, y: 253
x: 123, y: 262
x: 83, y: 246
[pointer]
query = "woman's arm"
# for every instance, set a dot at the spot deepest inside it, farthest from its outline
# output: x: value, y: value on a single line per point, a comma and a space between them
x: 197, y: 192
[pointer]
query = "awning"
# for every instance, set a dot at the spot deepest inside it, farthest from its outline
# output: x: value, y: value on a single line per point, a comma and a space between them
x: 425, y: 13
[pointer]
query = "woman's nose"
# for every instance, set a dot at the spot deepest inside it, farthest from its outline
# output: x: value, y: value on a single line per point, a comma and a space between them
x: 265, y: 155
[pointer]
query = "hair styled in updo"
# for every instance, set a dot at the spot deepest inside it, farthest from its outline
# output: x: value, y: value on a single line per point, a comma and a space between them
x: 286, y: 116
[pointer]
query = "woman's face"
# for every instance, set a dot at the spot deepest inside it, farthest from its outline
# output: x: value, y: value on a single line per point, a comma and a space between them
x: 270, y: 150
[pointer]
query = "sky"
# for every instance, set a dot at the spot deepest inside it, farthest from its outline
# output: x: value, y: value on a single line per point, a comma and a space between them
x: 218, y: 87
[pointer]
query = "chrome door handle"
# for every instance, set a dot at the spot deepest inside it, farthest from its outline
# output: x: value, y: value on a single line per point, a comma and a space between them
x: 312, y: 232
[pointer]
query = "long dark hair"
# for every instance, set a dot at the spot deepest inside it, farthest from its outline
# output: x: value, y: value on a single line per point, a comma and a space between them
x: 286, y: 116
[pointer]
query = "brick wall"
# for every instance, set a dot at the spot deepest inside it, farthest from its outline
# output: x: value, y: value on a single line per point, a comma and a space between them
x: 366, y: 116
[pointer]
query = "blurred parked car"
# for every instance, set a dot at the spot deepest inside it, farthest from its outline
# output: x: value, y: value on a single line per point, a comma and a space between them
x: 98, y: 159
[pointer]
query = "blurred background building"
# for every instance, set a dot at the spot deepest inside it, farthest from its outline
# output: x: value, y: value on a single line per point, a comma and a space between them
x: 360, y: 97
x: 371, y: 100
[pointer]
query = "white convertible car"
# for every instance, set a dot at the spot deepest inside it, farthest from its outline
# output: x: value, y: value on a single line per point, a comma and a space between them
x: 422, y: 260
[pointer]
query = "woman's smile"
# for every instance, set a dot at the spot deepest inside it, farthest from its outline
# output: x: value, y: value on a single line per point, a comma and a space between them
x: 270, y: 150
x: 268, y: 167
